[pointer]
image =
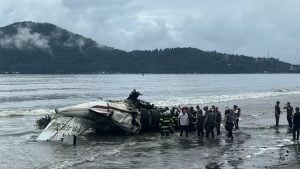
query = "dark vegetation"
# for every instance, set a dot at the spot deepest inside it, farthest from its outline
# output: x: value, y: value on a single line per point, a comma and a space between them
x: 67, y: 53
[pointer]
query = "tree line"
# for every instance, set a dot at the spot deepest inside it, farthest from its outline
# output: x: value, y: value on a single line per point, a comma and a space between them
x: 71, y: 53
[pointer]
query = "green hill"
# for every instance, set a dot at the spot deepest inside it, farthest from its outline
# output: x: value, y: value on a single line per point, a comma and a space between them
x: 43, y: 48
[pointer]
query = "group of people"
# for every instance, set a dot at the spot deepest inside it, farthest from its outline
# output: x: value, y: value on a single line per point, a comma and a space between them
x: 292, y: 118
x: 208, y: 120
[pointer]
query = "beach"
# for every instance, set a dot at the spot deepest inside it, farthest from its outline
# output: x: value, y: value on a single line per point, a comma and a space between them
x: 257, y: 144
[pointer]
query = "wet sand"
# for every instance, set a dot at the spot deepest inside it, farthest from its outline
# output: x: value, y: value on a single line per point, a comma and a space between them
x: 256, y: 145
x: 245, y: 151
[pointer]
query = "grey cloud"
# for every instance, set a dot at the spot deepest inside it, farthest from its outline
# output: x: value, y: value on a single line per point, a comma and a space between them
x: 24, y: 39
x: 72, y: 41
x: 95, y: 3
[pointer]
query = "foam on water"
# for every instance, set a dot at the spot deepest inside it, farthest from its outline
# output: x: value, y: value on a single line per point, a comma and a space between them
x: 36, y: 112
x: 172, y: 101
x: 285, y: 142
x: 222, y: 98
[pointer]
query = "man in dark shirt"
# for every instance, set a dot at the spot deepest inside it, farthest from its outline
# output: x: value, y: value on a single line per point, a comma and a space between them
x: 210, y: 124
x: 277, y: 113
x: 227, y: 110
x: 229, y: 121
x: 218, y: 120
x: 192, y: 115
x: 289, y: 115
x: 296, y: 126
x: 200, y: 122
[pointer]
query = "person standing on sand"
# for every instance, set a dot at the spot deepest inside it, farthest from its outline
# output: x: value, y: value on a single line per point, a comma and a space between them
x: 218, y: 120
x: 213, y: 108
x: 205, y: 109
x: 227, y: 110
x: 296, y: 127
x: 174, y: 119
x: 200, y: 122
x: 210, y: 124
x: 183, y: 120
x: 289, y: 113
x: 237, y: 113
x: 205, y: 113
x: 277, y: 113
x: 229, y: 122
x: 165, y: 123
x: 192, y: 115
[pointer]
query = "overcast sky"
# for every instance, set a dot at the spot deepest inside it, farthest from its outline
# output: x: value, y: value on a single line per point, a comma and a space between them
x: 248, y: 27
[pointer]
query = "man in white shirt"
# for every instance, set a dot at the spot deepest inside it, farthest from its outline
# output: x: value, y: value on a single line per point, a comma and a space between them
x: 183, y: 120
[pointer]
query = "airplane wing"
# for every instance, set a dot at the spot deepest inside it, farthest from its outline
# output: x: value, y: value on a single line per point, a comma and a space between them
x: 61, y: 126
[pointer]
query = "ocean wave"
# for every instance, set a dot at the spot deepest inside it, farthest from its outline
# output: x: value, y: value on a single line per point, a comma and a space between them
x: 39, y: 97
x: 222, y: 98
x: 39, y: 89
x: 23, y: 133
x: 36, y: 112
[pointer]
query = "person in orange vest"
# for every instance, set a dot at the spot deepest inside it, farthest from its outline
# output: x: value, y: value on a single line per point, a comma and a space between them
x: 165, y: 123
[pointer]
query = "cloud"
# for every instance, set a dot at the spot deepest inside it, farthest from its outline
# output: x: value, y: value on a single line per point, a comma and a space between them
x: 24, y: 39
x: 75, y: 42
x: 249, y: 27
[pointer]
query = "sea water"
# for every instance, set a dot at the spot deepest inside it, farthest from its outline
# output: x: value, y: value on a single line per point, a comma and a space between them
x: 26, y: 98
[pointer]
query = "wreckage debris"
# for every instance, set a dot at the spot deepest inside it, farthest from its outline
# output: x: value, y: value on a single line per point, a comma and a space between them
x: 43, y: 122
x: 130, y: 116
x: 212, y: 166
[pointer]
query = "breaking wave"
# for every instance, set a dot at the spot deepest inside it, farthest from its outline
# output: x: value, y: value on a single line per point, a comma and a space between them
x: 36, y: 112
x: 222, y: 98
x: 38, y: 97
x: 38, y: 89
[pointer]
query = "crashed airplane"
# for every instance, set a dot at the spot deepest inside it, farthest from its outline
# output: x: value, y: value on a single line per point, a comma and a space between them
x: 130, y: 116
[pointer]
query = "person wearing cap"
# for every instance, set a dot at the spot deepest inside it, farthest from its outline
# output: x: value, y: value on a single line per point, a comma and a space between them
x: 183, y: 120
x: 289, y: 114
x: 277, y: 113
x: 296, y: 127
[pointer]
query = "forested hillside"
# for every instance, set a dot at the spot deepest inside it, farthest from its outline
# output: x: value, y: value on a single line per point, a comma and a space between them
x: 43, y: 48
